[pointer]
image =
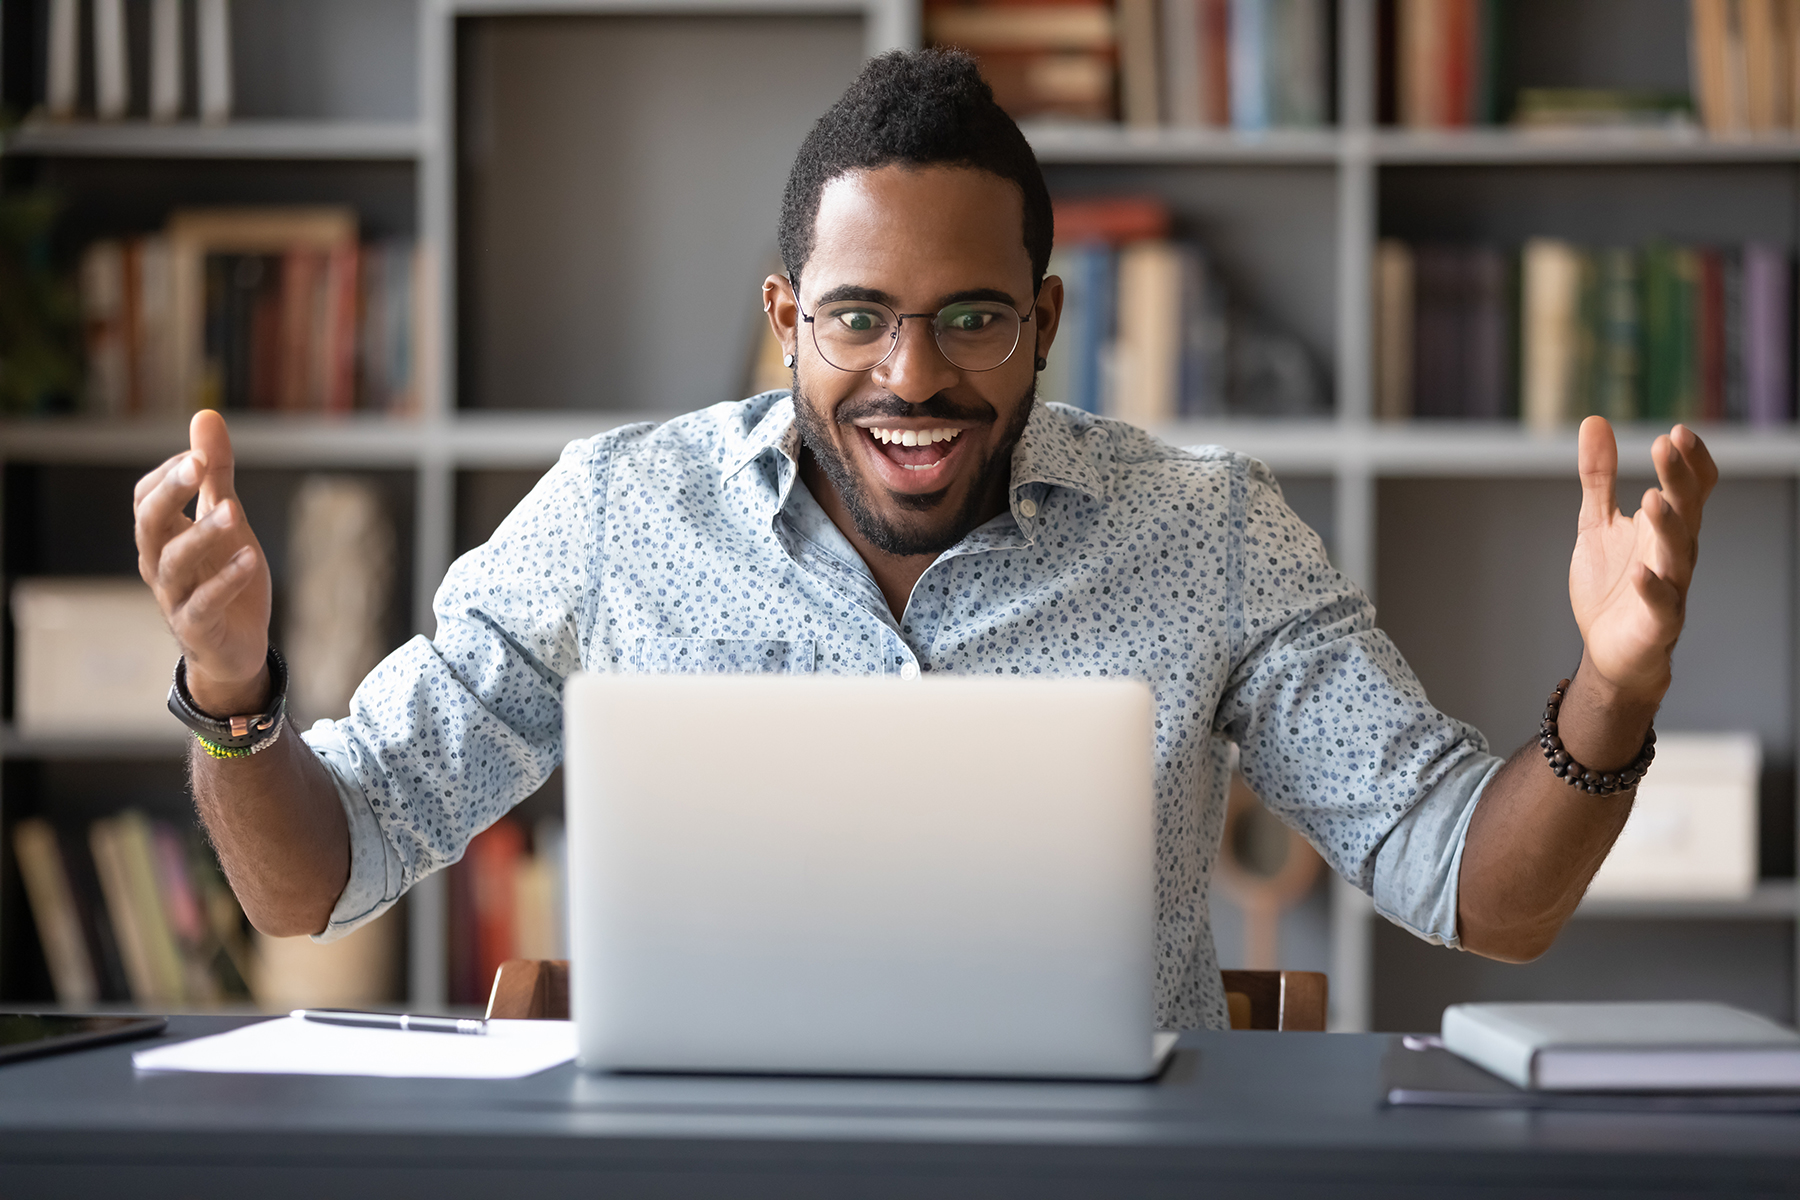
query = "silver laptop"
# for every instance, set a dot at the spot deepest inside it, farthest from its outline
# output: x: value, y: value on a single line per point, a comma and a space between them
x: 805, y: 874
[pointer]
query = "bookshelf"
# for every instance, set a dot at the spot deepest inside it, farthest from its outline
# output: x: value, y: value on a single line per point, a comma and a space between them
x: 419, y: 132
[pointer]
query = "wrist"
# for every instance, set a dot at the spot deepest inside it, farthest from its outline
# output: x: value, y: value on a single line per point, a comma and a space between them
x: 1602, y: 724
x: 223, y: 699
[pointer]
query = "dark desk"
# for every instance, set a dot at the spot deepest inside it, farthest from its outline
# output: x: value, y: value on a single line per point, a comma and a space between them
x: 1248, y: 1114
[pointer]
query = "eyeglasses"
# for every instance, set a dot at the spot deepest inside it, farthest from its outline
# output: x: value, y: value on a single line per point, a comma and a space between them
x: 859, y: 335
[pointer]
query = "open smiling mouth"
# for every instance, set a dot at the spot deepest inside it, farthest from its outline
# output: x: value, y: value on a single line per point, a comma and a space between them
x: 914, y: 449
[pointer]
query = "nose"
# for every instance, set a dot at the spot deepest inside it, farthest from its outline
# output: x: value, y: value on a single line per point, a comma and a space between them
x: 917, y: 370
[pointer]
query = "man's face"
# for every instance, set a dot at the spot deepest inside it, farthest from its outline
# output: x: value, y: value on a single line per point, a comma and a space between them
x: 916, y: 240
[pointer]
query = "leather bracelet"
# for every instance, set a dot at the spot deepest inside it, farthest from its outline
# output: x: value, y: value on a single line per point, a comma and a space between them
x: 1563, y: 764
x: 235, y: 735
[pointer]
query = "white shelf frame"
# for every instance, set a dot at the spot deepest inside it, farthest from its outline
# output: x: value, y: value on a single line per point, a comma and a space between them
x: 1351, y: 448
x: 236, y: 140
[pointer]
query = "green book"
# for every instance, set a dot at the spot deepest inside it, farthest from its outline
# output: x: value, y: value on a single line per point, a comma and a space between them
x: 1660, y: 339
x: 1685, y: 361
x: 1585, y: 391
x: 1616, y: 389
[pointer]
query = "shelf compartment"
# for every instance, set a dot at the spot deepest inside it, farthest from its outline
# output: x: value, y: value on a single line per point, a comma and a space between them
x: 249, y: 139
x: 1773, y: 899
x: 1057, y: 143
x: 92, y: 747
x: 1585, y: 146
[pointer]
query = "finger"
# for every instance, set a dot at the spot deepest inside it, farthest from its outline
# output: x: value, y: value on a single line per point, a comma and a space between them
x: 158, y: 516
x: 201, y: 552
x: 1597, y: 460
x: 1663, y: 600
x: 153, y: 478
x: 196, y: 622
x: 210, y: 440
x: 1670, y: 551
x: 1693, y: 463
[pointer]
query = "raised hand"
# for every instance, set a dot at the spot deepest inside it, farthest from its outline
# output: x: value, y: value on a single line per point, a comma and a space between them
x: 208, y: 574
x: 1629, y: 576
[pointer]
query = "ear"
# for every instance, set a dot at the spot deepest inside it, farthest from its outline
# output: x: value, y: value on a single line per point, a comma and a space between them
x: 1046, y: 315
x: 784, y: 312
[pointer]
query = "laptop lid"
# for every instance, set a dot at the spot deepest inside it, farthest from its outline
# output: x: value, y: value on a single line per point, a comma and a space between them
x: 947, y: 876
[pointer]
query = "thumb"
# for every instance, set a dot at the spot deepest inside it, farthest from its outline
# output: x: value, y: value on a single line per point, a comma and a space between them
x: 209, y: 441
x: 1597, y: 461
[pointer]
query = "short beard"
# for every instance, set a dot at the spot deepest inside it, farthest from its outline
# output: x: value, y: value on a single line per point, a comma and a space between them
x: 906, y: 542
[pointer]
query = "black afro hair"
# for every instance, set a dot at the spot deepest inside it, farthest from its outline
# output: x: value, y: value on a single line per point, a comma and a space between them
x: 920, y: 108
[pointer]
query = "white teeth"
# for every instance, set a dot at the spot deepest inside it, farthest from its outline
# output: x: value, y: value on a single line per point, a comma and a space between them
x: 912, y: 437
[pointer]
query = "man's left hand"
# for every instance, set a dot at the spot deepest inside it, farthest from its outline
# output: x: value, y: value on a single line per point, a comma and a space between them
x: 1628, y: 577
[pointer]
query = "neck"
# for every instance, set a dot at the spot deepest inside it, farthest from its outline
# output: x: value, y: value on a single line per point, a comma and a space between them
x: 895, y: 574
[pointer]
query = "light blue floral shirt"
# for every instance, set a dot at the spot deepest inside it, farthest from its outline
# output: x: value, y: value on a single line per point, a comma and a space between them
x: 693, y: 546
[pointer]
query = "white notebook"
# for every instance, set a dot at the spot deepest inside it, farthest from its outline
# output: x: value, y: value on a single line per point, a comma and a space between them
x: 1626, y: 1047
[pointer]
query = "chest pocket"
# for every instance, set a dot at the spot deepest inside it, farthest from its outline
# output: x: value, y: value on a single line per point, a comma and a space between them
x: 722, y: 656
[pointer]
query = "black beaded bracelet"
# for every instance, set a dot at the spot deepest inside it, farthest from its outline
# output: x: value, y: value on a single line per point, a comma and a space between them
x: 1594, y: 783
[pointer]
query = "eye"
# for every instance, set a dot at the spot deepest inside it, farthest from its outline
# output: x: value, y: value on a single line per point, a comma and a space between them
x: 857, y: 320
x: 966, y: 320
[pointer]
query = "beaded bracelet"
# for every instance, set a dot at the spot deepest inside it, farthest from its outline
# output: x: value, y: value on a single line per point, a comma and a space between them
x: 218, y: 751
x: 1594, y: 783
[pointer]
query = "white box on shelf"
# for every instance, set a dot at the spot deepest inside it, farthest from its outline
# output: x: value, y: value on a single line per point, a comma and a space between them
x: 1692, y: 830
x: 91, y: 654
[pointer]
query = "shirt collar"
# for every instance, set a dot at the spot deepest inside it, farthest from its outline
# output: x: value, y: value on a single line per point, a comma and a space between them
x: 1048, y: 453
x: 775, y: 431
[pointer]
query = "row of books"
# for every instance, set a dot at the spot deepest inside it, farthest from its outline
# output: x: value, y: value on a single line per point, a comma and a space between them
x: 1151, y: 332
x: 507, y: 900
x: 109, y: 36
x: 1746, y: 64
x: 278, y: 310
x: 132, y: 910
x: 1240, y: 64
x: 1556, y: 332
x: 1445, y: 58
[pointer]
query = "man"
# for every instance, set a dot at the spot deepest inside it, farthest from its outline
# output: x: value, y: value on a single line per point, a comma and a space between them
x: 910, y: 508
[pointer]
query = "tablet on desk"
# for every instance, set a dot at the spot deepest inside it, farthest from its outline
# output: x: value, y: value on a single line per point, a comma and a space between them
x: 28, y: 1035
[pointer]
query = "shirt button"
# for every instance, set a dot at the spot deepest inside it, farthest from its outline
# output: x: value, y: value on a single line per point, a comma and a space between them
x: 909, y: 671
x: 1028, y: 508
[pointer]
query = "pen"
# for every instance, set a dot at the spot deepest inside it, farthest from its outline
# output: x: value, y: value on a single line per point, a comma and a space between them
x: 404, y: 1022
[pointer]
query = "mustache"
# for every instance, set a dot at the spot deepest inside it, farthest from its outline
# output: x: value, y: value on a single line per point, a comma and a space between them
x: 939, y: 407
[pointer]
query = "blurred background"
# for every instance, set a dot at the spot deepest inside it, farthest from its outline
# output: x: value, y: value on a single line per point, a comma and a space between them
x: 1395, y: 248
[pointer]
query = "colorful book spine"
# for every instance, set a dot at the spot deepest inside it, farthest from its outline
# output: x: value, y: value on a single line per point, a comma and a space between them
x: 1767, y: 326
x: 1394, y: 312
x: 1249, y: 65
x: 1550, y: 286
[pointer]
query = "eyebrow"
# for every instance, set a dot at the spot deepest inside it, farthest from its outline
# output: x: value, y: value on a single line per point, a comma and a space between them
x: 850, y: 291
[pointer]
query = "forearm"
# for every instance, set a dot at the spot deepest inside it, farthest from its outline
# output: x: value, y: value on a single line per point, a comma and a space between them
x: 1534, y: 842
x: 279, y: 829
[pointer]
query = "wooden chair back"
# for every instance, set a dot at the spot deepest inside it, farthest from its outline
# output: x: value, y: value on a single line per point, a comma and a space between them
x: 538, y: 990
x: 1281, y: 1000
x: 531, y: 989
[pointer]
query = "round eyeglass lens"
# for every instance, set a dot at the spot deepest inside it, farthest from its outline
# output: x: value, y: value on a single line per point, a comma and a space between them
x: 977, y: 336
x: 854, y: 335
x: 858, y: 335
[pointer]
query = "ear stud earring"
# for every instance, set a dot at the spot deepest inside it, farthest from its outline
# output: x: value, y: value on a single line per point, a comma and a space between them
x: 787, y: 360
x: 1042, y: 362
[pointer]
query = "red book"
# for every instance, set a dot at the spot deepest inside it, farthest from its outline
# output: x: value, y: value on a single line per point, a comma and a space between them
x: 1113, y: 219
x: 1459, y: 17
x: 342, y: 319
x: 1215, y: 45
x: 1709, y: 336
x: 299, y: 270
x: 493, y: 860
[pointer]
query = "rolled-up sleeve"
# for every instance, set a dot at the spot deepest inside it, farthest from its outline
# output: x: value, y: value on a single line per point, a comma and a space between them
x: 449, y: 733
x: 1335, y: 733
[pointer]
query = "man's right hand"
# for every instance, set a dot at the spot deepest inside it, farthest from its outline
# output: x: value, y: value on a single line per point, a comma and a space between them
x: 208, y: 574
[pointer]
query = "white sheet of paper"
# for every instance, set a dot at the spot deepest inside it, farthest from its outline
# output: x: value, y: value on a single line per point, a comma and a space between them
x: 291, y: 1046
